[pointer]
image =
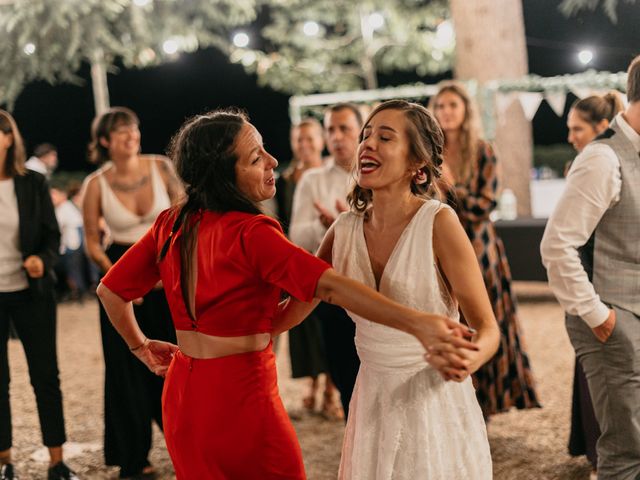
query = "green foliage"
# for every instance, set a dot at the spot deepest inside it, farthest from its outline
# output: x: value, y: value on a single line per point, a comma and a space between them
x: 66, y: 33
x: 555, y: 156
x: 572, y: 7
x: 346, y: 53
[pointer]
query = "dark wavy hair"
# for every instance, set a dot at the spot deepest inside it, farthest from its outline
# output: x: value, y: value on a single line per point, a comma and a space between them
x: 103, y: 125
x: 16, y: 155
x: 426, y: 145
x: 204, y: 154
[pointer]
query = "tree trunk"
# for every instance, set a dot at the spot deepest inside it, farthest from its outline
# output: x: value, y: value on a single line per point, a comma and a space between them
x: 490, y: 45
x: 368, y: 67
x: 99, y: 82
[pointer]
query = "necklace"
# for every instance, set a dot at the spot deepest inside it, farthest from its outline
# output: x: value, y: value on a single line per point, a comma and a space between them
x: 130, y: 187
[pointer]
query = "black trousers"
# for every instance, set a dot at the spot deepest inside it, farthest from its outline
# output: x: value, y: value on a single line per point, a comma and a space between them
x: 34, y: 319
x: 342, y: 358
x: 132, y: 393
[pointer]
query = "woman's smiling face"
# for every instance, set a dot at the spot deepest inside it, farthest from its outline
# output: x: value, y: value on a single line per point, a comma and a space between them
x: 383, y: 153
x: 254, y: 167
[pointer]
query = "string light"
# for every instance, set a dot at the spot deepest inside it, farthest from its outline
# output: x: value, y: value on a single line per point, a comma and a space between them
x: 444, y: 34
x: 311, y: 29
x: 170, y: 46
x: 585, y: 56
x: 241, y: 40
x: 29, y: 48
x: 376, y: 20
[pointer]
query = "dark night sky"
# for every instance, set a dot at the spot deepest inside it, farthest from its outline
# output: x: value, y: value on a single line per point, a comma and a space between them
x: 164, y: 96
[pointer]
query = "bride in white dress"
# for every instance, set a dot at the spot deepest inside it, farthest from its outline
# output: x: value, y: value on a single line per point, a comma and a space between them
x: 410, y: 419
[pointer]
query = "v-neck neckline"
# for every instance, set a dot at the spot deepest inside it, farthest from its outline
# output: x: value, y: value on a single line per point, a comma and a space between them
x: 393, y: 251
x: 153, y: 193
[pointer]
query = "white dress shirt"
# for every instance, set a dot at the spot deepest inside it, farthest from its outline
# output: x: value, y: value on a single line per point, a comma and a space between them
x: 325, y: 185
x: 593, y: 186
x: 37, y: 165
x: 70, y: 222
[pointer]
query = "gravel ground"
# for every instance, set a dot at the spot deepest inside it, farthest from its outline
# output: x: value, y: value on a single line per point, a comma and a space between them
x: 525, y: 444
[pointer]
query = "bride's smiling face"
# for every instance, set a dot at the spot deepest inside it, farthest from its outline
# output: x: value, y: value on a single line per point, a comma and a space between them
x: 383, y: 153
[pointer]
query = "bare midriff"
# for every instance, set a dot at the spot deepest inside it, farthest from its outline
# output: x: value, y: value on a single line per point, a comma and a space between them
x: 200, y: 345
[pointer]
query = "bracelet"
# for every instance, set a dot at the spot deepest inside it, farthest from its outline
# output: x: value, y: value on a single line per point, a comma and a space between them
x: 133, y: 349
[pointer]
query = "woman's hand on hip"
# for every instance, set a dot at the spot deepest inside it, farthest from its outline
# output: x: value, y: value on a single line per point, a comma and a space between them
x: 156, y: 355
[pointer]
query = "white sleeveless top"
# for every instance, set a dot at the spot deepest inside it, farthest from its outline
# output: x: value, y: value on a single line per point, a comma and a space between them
x: 405, y: 422
x: 125, y: 226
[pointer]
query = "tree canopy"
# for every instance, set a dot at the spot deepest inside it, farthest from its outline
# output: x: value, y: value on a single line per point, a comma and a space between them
x: 313, y: 45
x: 51, y: 39
x: 571, y: 7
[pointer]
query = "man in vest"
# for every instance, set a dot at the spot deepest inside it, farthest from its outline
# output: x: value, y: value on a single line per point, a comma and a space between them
x: 591, y: 249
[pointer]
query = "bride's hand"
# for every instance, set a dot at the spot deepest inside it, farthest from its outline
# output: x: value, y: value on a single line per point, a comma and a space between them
x: 437, y: 329
x: 452, y: 363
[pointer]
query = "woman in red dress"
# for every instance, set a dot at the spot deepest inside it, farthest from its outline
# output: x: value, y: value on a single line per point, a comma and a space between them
x: 223, y: 265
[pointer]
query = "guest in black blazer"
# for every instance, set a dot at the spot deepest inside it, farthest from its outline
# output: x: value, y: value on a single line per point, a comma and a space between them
x: 28, y: 250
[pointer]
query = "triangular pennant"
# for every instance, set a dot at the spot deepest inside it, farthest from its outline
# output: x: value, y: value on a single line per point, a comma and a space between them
x: 580, y: 92
x: 557, y: 101
x: 530, y: 102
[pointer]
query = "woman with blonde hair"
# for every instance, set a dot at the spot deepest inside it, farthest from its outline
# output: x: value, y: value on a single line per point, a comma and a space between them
x: 471, y: 180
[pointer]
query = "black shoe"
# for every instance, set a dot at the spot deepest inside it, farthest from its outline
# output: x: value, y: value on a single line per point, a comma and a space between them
x: 6, y: 472
x: 60, y: 471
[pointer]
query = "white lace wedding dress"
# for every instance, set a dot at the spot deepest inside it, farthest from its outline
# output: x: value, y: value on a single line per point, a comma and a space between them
x: 405, y: 421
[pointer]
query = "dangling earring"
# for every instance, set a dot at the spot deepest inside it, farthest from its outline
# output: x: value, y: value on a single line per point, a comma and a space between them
x: 420, y: 178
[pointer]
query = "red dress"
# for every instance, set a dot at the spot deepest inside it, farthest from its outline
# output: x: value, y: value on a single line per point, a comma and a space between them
x: 223, y: 417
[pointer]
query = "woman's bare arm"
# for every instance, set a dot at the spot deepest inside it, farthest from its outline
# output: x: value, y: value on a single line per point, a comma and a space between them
x: 354, y: 296
x: 460, y: 266
x: 155, y: 354
x: 91, y: 214
x: 294, y: 311
x: 175, y: 188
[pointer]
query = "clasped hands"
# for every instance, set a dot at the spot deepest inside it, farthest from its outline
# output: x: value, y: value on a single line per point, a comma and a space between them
x: 449, y: 347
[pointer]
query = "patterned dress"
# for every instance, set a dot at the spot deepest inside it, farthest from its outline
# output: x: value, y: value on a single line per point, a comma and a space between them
x: 506, y: 380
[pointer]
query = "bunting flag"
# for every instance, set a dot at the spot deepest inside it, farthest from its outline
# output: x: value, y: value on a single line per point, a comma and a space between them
x: 530, y: 102
x: 580, y: 92
x: 557, y: 101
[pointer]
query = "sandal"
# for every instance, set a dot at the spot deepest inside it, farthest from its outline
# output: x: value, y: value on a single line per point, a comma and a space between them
x: 309, y: 403
x: 331, y: 408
